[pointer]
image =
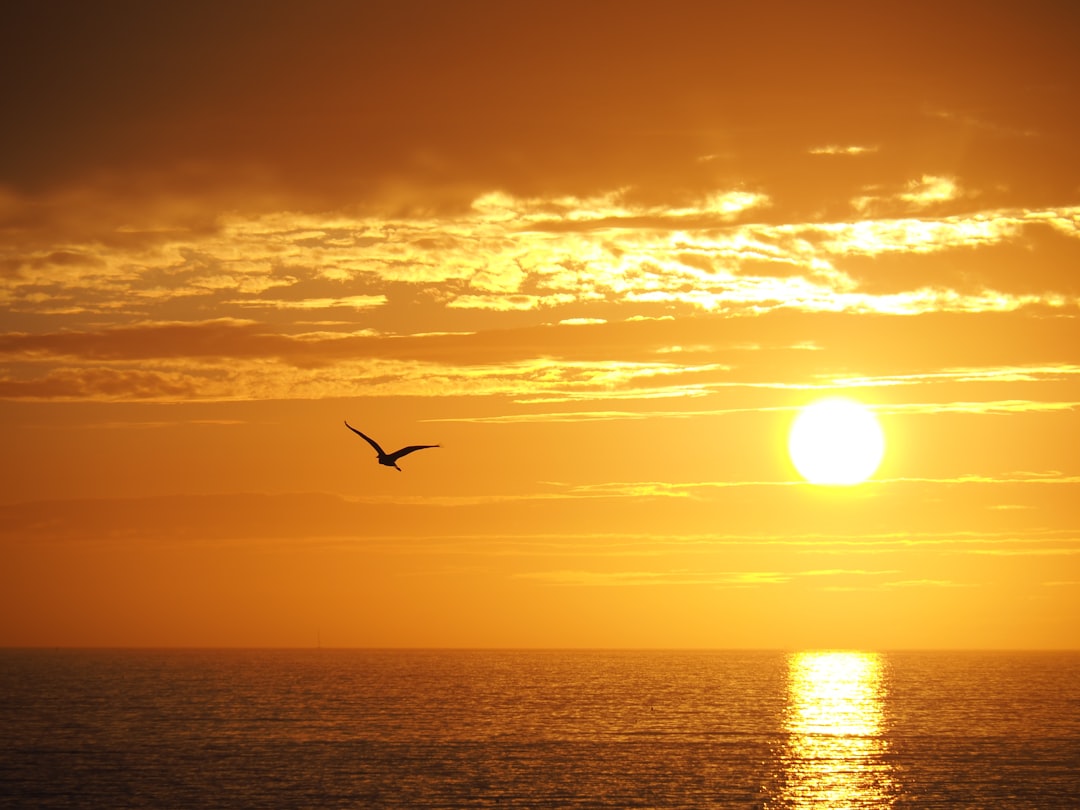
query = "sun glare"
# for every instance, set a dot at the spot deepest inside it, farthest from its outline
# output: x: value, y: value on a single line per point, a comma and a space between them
x: 836, y: 441
x: 835, y: 754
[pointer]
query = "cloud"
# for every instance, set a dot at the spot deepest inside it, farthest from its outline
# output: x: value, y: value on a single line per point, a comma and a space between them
x: 551, y: 364
x: 507, y: 254
x: 581, y: 321
x: 927, y: 583
x: 224, y: 337
x: 1053, y: 478
x: 1010, y: 374
x: 594, y: 416
x: 229, y: 361
x: 101, y: 384
x: 661, y: 489
x: 833, y: 149
x: 655, y: 578
x: 508, y: 303
x: 1028, y: 552
x: 351, y: 302
x: 930, y: 189
x: 718, y: 579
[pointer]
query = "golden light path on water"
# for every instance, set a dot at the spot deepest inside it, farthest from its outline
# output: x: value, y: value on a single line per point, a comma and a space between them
x: 834, y: 755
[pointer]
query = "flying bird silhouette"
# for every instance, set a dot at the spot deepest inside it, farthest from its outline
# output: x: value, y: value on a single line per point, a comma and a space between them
x: 389, y: 459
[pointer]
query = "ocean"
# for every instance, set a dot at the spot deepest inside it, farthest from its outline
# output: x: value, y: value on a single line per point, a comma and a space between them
x: 538, y: 729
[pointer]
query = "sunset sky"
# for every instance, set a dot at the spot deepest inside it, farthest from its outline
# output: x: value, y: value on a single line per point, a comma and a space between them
x: 602, y: 253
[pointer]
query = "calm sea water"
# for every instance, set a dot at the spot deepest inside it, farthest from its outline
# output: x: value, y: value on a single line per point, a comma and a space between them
x: 350, y: 728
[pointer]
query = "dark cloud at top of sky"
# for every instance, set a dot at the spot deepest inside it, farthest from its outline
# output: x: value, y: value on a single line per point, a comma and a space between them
x: 431, y: 103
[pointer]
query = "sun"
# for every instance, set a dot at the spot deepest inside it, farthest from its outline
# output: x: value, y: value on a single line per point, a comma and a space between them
x: 836, y: 441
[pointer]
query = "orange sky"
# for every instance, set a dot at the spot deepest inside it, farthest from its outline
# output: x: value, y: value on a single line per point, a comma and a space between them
x: 601, y: 252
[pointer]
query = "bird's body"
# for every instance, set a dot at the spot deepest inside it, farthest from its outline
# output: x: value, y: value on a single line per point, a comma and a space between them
x: 389, y: 459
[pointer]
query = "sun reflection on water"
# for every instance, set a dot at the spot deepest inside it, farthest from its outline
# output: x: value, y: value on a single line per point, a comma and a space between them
x: 836, y: 741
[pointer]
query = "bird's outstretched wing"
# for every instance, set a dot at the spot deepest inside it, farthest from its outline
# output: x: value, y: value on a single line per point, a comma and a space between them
x: 404, y: 451
x: 367, y: 439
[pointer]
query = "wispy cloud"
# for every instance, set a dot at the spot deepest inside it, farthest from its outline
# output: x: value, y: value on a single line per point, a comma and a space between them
x: 232, y: 359
x: 655, y: 578
x: 926, y: 583
x: 1028, y: 552
x: 664, y: 489
x: 833, y: 149
x: 897, y: 585
x: 930, y: 189
x: 989, y: 407
x: 921, y: 193
x: 715, y: 579
x: 1028, y: 373
x: 599, y: 416
x: 351, y: 302
x: 1041, y: 478
x: 581, y: 321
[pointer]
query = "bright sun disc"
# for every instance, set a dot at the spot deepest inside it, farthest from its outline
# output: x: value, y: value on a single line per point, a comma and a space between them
x: 836, y: 441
